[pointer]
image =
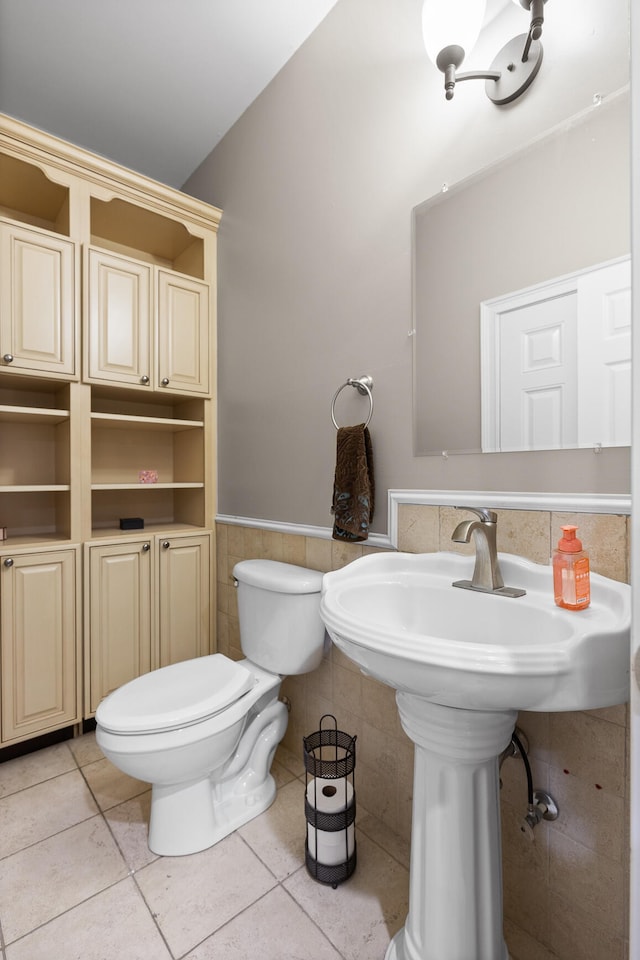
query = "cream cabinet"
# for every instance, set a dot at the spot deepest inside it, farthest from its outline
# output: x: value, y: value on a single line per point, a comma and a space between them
x: 40, y: 655
x: 107, y: 411
x: 148, y: 606
x: 184, y: 613
x: 119, y: 622
x: 119, y: 320
x: 147, y: 328
x: 37, y: 302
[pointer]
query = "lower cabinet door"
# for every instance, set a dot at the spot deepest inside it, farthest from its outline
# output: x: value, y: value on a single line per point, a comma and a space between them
x: 120, y: 616
x: 184, y: 597
x: 39, y: 620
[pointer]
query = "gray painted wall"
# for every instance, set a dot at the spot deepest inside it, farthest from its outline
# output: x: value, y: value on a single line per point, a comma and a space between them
x: 317, y: 181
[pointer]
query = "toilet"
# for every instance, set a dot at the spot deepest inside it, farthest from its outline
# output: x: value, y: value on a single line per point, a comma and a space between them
x: 203, y: 732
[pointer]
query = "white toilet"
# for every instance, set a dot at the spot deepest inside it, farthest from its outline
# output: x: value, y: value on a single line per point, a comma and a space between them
x: 203, y: 732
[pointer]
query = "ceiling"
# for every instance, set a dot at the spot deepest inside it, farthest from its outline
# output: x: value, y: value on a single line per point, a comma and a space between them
x: 151, y: 84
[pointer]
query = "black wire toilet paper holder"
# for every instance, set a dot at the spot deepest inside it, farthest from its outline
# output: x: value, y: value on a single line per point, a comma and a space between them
x: 330, y: 754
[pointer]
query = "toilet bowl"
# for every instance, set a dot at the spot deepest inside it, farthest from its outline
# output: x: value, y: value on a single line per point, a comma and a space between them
x: 203, y: 732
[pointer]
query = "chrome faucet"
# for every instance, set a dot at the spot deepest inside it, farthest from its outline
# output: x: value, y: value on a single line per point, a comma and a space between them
x: 487, y: 577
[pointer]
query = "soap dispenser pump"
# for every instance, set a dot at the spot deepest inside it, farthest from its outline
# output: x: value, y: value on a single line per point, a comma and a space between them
x: 571, y: 583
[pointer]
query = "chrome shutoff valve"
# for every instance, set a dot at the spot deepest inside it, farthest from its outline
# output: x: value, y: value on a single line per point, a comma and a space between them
x: 543, y: 807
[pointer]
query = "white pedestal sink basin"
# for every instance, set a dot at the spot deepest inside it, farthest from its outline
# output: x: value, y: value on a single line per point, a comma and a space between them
x: 463, y: 663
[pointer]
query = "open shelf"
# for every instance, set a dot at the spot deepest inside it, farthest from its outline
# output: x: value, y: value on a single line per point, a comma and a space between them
x: 127, y: 422
x: 147, y: 486
x: 34, y: 513
x: 107, y: 532
x: 124, y: 227
x: 11, y: 414
x: 28, y: 196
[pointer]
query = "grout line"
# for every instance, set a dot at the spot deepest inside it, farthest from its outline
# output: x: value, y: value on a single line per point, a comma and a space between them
x: 131, y: 872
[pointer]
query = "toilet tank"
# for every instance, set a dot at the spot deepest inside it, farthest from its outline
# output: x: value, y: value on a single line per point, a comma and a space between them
x: 279, y: 611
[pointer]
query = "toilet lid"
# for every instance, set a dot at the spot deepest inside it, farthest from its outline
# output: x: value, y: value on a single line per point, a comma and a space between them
x: 175, y: 696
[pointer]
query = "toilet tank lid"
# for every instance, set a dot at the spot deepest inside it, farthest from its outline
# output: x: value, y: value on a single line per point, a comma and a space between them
x: 278, y: 577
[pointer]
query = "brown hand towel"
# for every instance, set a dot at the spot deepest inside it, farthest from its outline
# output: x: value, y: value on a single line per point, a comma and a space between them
x: 353, y: 489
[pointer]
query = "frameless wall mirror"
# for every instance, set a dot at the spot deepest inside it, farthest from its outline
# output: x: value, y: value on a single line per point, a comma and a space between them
x: 510, y: 245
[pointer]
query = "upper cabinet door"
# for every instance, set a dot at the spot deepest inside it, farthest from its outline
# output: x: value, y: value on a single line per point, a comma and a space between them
x: 119, y: 330
x: 183, y: 334
x: 37, y: 302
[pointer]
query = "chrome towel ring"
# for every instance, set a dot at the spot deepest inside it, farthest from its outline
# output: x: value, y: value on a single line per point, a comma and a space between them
x: 364, y: 386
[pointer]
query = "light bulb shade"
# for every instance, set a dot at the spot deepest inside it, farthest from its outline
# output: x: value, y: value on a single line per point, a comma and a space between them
x: 448, y: 23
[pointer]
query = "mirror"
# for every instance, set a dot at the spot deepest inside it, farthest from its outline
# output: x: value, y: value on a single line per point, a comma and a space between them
x: 558, y: 207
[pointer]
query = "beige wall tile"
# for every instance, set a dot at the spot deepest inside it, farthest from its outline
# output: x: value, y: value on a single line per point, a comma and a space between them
x: 526, y: 900
x: 522, y: 946
x: 318, y: 554
x: 344, y: 553
x: 589, y: 815
x: 524, y: 532
x: 272, y: 545
x: 253, y: 543
x: 294, y: 549
x: 235, y: 541
x: 574, y: 933
x: 379, y: 706
x: 588, y: 881
x: 589, y: 748
x: 347, y: 690
x: 418, y: 528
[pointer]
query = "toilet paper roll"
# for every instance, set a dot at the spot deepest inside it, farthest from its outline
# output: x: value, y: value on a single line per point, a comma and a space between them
x: 329, y: 847
x: 329, y: 796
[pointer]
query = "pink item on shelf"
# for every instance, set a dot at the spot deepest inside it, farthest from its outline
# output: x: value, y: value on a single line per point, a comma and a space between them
x: 148, y: 476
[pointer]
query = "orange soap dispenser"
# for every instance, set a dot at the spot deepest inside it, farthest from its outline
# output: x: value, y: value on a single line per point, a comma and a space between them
x: 571, y: 585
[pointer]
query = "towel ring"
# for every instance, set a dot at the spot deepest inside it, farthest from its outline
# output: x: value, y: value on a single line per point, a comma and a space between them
x: 363, y: 385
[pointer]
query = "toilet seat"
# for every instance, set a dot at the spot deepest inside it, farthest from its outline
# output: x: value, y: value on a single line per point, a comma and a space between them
x: 175, y: 696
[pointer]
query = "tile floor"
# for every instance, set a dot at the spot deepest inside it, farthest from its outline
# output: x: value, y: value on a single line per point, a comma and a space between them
x: 78, y: 882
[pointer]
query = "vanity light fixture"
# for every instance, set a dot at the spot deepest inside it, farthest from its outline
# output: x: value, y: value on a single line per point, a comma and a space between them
x: 450, y: 29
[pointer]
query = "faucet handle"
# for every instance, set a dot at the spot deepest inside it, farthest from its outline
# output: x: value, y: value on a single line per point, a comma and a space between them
x: 486, y: 515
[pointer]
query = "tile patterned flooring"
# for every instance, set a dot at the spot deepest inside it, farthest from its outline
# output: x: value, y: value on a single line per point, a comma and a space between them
x: 78, y: 882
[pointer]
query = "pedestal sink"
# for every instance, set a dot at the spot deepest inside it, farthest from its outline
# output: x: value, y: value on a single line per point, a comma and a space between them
x: 463, y: 663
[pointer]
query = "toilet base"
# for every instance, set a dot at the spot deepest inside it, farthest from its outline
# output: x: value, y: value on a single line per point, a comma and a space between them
x: 189, y: 817
x: 186, y: 819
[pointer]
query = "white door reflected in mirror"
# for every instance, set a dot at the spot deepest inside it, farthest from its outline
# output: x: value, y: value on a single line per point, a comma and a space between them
x: 556, y: 363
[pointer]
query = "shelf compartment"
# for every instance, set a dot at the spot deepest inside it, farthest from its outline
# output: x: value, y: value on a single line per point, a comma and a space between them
x: 34, y: 451
x: 160, y: 506
x: 119, y: 452
x: 34, y: 514
x: 123, y: 402
x: 128, y: 228
x: 28, y: 196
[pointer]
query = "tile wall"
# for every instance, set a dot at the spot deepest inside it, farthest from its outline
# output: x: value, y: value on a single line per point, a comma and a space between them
x: 565, y: 893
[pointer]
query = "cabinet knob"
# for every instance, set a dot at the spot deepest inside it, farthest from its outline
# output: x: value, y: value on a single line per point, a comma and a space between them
x: 165, y: 381
x: 8, y: 358
x: 8, y: 562
x: 146, y: 547
x: 144, y: 379
x: 165, y: 544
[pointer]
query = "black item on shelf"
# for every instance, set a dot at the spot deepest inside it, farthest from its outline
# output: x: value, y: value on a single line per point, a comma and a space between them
x: 131, y: 523
x: 330, y: 754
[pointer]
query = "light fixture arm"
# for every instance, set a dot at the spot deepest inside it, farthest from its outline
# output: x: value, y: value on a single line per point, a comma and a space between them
x: 535, y: 27
x: 448, y: 61
x: 514, y: 68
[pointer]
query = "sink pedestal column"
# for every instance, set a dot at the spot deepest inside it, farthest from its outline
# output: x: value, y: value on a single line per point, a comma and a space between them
x: 455, y: 897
